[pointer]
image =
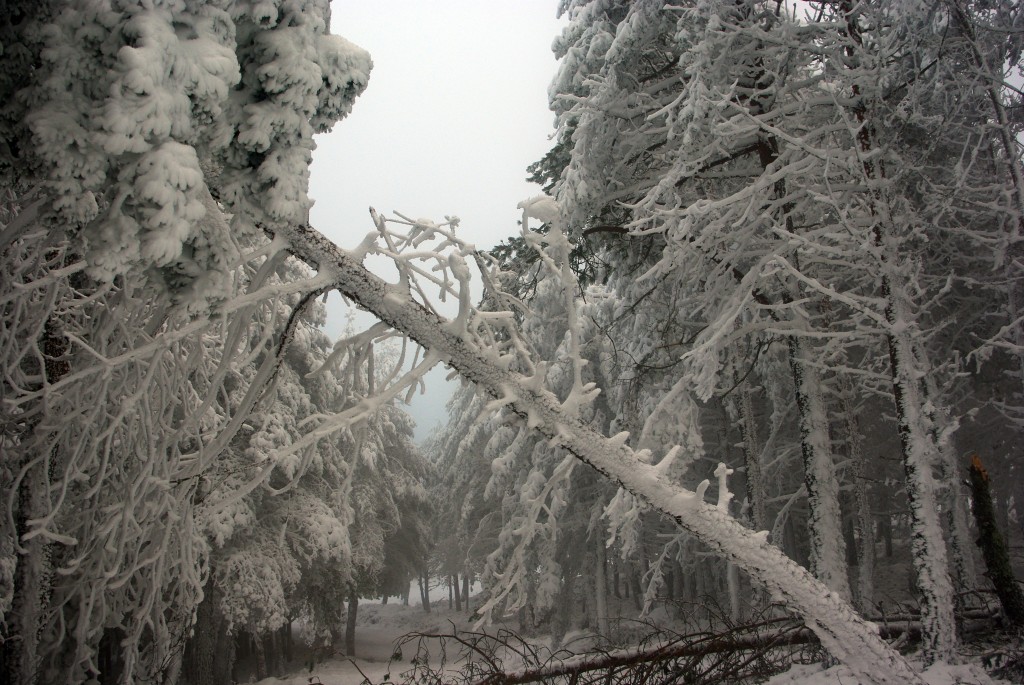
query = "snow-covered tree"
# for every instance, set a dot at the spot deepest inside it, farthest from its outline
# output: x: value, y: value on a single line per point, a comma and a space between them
x: 765, y: 196
x: 128, y: 320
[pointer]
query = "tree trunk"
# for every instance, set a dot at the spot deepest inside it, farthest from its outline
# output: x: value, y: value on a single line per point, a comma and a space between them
x: 454, y: 589
x: 920, y: 454
x: 733, y: 581
x: 601, y: 586
x: 752, y: 460
x: 261, y: 657
x: 700, y: 590
x: 993, y: 546
x: 636, y: 580
x: 561, y: 616
x: 209, y: 657
x: 19, y: 652
x: 954, y: 504
x: 680, y: 589
x: 275, y: 653
x: 885, y: 523
x: 350, y: 623
x: 908, y: 366
x: 465, y: 589
x: 424, y: 582
x: 242, y: 652
x: 864, y: 526
x: 288, y: 642
x: 827, y: 547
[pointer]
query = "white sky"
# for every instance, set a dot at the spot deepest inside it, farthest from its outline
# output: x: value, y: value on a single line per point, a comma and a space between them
x: 455, y: 110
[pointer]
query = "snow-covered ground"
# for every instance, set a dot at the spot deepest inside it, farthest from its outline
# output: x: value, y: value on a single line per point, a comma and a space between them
x: 380, y: 627
x: 941, y: 674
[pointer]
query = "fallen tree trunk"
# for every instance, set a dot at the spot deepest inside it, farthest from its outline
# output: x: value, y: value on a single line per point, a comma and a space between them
x: 695, y: 648
x: 746, y: 651
x: 841, y: 630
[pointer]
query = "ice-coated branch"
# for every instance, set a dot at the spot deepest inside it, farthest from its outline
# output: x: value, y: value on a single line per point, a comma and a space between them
x: 553, y: 250
x: 841, y: 630
x: 427, y: 255
x: 536, y: 497
x: 722, y: 473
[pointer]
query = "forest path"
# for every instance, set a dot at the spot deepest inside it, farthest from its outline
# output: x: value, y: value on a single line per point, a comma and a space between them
x: 379, y: 627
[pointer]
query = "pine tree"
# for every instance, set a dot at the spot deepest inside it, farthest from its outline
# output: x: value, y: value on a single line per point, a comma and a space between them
x: 118, y: 132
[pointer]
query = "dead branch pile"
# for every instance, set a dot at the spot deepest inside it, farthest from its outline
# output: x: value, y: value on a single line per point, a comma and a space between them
x: 750, y: 652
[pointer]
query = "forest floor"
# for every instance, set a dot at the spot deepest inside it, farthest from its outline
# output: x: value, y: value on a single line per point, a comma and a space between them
x: 381, y: 627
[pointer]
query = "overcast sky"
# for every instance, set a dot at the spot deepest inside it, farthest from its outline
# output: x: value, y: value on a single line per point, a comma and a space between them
x: 456, y: 109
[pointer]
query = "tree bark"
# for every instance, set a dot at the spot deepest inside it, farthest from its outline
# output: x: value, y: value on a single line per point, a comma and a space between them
x: 732, y: 573
x: 752, y: 460
x: 827, y: 546
x: 209, y: 656
x: 993, y: 546
x: 601, y: 586
x: 288, y: 642
x: 681, y: 586
x: 275, y: 653
x: 885, y: 523
x: 20, y: 649
x: 261, y: 657
x: 955, y: 505
x: 920, y: 454
x: 350, y: 623
x: 561, y: 615
x: 864, y: 525
x: 424, y: 583
x: 19, y: 652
